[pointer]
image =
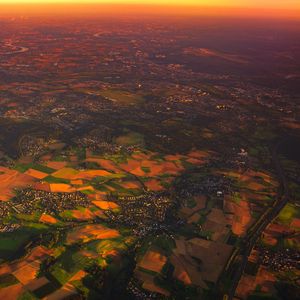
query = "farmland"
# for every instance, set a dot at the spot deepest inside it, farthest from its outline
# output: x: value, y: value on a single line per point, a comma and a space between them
x: 149, y: 158
x: 73, y: 212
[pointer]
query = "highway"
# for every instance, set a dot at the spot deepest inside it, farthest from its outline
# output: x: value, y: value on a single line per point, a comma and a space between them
x: 256, y: 231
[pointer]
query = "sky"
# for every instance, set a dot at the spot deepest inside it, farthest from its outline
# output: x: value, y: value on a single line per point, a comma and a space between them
x: 272, y: 4
x: 257, y: 8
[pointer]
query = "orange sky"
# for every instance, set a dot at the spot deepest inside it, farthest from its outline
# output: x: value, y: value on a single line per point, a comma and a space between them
x: 267, y: 8
x: 286, y: 4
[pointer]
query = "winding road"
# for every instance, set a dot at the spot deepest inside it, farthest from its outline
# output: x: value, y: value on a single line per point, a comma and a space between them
x: 261, y: 224
x: 15, y: 49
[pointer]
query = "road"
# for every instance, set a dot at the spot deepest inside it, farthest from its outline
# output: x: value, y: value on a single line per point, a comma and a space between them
x: 16, y: 49
x: 261, y: 224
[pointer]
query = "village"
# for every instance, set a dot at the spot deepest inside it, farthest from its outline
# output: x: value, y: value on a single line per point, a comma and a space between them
x: 137, y: 163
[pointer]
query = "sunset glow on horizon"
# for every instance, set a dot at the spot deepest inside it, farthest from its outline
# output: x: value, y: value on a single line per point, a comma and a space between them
x: 253, y: 8
x: 287, y: 4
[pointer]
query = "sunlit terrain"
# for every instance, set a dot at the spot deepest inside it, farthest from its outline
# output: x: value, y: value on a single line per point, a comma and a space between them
x: 150, y: 151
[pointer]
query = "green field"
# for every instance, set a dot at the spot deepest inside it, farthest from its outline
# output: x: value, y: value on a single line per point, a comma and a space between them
x: 122, y: 97
x: 130, y: 138
x: 24, y: 167
x: 287, y: 214
x: 13, y: 244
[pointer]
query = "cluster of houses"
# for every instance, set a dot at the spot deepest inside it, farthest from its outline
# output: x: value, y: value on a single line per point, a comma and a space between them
x: 147, y: 212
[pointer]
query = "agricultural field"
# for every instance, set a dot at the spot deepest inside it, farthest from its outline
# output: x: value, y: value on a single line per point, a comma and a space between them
x: 122, y: 97
x: 149, y: 158
x: 273, y: 259
x: 77, y: 238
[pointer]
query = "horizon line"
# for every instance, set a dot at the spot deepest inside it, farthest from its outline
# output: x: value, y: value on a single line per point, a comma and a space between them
x: 171, y: 9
